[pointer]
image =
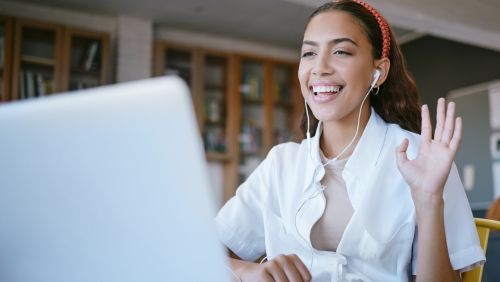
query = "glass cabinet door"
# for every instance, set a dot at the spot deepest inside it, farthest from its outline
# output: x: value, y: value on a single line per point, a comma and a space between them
x: 215, y: 106
x: 283, y: 104
x: 38, y: 64
x: 252, y: 116
x: 179, y: 62
x: 88, y: 54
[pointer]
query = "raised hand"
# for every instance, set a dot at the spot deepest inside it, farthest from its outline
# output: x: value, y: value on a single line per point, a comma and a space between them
x: 429, y: 171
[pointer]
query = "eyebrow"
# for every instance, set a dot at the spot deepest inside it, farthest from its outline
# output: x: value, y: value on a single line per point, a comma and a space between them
x: 333, y: 41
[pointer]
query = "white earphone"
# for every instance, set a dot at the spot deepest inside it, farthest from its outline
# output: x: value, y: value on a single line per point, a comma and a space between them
x: 376, y: 76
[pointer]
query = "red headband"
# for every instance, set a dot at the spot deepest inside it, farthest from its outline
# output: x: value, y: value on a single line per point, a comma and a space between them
x: 384, y: 27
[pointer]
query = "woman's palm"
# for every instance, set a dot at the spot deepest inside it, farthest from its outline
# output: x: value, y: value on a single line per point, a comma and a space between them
x: 429, y: 170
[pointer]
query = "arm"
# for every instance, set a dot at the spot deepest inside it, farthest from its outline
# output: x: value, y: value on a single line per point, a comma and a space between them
x: 426, y: 175
x: 281, y: 268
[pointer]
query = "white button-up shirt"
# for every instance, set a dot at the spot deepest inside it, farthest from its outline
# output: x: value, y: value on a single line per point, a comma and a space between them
x: 274, y: 211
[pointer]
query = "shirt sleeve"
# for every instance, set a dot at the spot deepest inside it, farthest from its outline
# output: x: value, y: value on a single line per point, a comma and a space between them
x: 239, y: 224
x: 461, y: 235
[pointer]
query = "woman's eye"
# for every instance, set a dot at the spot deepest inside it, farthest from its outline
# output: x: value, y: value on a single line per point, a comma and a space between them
x: 341, y: 52
x: 307, y: 54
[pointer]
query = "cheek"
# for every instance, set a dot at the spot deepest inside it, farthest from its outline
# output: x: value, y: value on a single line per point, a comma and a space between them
x: 303, y: 75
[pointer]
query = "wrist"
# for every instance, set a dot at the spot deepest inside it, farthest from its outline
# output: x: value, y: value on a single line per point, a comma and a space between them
x: 240, y: 267
x: 427, y: 202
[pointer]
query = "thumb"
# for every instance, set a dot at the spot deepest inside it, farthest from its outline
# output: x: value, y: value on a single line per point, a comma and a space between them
x: 401, y: 156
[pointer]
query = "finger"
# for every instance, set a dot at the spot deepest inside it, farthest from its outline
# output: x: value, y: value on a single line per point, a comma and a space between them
x: 457, y: 135
x: 401, y: 156
x: 439, y: 119
x: 266, y: 277
x: 275, y: 269
x: 301, y: 268
x: 292, y: 273
x: 449, y: 124
x: 426, y: 124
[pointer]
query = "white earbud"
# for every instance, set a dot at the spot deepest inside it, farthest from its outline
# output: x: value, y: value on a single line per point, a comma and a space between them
x: 376, y: 76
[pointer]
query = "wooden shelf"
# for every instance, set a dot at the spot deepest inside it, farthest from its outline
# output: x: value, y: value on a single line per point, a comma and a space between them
x: 217, y: 157
x: 38, y: 60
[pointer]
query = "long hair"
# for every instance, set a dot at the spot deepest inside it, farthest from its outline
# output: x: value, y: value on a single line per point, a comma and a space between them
x: 398, y: 100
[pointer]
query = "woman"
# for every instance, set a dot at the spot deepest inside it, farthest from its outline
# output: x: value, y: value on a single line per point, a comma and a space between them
x: 365, y: 198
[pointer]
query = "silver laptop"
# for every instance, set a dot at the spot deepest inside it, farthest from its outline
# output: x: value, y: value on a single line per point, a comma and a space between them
x: 108, y: 184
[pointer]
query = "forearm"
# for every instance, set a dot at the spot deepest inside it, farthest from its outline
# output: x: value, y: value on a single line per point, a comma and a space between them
x: 238, y: 266
x: 433, y: 262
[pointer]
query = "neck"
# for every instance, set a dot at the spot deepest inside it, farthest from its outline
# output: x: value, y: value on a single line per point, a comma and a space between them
x: 337, y: 135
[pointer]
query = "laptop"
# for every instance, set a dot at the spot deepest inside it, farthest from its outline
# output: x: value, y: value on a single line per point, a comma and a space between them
x: 106, y: 184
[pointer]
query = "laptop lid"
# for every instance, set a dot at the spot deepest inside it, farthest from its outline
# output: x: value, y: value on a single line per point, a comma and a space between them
x: 107, y: 184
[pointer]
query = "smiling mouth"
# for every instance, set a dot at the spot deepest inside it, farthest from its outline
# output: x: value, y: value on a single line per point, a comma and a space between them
x: 325, y: 89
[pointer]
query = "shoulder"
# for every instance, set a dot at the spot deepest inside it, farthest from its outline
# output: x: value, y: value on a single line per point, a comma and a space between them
x: 288, y: 151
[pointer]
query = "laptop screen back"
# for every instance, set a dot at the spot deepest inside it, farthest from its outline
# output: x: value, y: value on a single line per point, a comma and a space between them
x: 108, y: 184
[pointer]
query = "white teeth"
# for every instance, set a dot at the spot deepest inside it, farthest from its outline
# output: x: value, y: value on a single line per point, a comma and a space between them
x: 324, y: 89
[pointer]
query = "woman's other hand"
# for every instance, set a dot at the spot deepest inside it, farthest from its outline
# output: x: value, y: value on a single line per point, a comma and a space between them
x: 428, y: 172
x: 282, y: 268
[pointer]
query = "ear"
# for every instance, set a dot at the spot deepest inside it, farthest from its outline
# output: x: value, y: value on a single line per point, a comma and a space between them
x: 383, y: 65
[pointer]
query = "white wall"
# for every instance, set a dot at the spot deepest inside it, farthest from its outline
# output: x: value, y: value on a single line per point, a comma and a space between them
x: 134, y: 48
x: 92, y: 21
x: 223, y: 43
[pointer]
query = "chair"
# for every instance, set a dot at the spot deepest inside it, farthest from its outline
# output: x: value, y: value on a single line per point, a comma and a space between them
x: 483, y: 227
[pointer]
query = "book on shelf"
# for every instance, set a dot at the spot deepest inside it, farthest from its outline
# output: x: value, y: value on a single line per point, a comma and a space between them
x: 91, y: 56
x: 250, y: 138
x: 251, y: 87
x: 33, y: 84
x: 41, y: 86
x: 214, y: 139
x: 30, y: 84
x: 213, y: 110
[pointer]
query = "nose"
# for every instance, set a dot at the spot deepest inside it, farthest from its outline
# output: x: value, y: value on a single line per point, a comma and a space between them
x: 322, y: 65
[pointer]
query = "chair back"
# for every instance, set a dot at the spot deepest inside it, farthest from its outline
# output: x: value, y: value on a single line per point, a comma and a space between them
x: 483, y: 226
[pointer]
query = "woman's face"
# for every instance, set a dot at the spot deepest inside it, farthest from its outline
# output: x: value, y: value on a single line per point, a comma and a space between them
x: 336, y: 66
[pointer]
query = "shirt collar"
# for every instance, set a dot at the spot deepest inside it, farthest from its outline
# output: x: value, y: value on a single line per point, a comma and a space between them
x: 369, y: 146
x: 367, y: 150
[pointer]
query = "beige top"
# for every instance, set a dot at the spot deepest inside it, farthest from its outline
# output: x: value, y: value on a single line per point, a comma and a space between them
x: 327, y: 231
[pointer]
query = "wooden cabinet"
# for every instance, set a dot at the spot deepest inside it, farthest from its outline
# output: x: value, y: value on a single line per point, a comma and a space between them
x: 38, y: 59
x: 216, y: 103
x: 208, y: 77
x: 269, y: 110
x: 6, y: 38
x: 244, y: 104
x: 48, y: 58
x: 254, y: 116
